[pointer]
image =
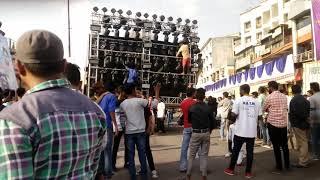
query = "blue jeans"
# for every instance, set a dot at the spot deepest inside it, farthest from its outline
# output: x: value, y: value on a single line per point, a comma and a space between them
x: 187, y: 132
x: 264, y: 131
x: 108, y: 153
x: 139, y: 140
x: 222, y: 127
x: 315, y: 137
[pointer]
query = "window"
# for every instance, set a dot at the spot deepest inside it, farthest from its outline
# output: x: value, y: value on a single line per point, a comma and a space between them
x: 275, y: 10
x: 248, y: 39
x: 266, y: 30
x: 258, y: 22
x: 237, y: 42
x: 275, y: 24
x: 247, y: 26
x: 285, y: 17
x: 303, y: 22
x: 266, y: 17
x: 259, y: 36
x: 285, y: 1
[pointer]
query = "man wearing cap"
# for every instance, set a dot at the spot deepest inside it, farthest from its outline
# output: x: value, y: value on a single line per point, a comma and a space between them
x: 53, y: 132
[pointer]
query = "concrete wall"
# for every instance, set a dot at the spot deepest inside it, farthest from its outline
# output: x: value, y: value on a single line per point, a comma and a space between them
x: 275, y: 8
x: 207, y: 70
x: 222, y: 52
x: 217, y: 54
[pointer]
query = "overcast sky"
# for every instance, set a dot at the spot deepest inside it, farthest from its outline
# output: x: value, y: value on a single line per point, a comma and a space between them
x: 215, y: 17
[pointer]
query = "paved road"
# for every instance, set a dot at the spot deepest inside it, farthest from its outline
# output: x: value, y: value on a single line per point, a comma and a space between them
x: 166, y: 152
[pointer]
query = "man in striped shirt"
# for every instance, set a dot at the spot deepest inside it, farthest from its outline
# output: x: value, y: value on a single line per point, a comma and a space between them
x: 53, y: 132
x: 277, y: 108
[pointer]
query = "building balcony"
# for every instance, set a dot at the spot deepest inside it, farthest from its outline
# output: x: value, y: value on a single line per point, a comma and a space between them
x: 265, y: 51
x: 238, y: 48
x: 259, y: 25
x: 247, y: 30
x: 273, y: 47
x: 303, y: 57
x: 287, y: 5
x: 305, y: 30
x: 240, y: 63
x: 299, y: 8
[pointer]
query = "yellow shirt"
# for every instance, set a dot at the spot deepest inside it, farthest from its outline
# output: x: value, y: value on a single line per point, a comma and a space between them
x: 184, y: 49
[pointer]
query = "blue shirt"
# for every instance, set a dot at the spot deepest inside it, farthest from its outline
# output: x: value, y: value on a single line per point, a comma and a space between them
x: 108, y: 104
x: 133, y: 76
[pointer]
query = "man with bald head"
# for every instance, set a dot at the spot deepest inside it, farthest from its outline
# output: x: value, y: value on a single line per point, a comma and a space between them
x: 53, y: 132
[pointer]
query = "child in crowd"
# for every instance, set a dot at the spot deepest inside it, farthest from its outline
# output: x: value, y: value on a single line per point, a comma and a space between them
x: 231, y: 134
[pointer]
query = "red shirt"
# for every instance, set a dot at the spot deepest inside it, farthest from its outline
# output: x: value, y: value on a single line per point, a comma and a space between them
x: 185, y: 106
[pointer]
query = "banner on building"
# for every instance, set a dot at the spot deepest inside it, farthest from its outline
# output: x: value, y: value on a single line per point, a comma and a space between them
x: 316, y: 27
x: 279, y: 69
x: 7, y: 75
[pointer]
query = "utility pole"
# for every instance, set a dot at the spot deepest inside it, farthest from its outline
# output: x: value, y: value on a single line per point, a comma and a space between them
x: 69, y: 30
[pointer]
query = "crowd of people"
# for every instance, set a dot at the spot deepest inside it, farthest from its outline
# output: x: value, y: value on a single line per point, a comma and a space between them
x: 53, y: 131
x: 269, y: 114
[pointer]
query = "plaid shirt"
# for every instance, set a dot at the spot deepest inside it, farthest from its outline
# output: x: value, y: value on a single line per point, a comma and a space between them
x: 277, y: 107
x: 60, y: 145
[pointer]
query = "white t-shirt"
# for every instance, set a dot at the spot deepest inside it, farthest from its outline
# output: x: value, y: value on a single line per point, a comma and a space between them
x: 161, y: 110
x: 248, y: 109
x: 134, y: 111
x: 231, y: 132
x: 120, y: 119
x: 154, y: 103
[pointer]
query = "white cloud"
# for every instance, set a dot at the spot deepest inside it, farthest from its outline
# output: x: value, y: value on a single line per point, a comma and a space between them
x: 188, y: 8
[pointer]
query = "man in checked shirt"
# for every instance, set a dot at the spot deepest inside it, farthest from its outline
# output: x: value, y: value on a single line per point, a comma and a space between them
x: 53, y: 132
x: 277, y: 121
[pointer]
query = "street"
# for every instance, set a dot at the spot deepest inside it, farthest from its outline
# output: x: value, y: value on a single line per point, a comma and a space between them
x: 166, y: 153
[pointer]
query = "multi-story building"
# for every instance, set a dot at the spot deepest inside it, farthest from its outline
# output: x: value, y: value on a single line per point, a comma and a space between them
x: 300, y: 16
x: 218, y: 59
x: 302, y: 42
x: 275, y: 40
x: 262, y: 29
x: 274, y: 28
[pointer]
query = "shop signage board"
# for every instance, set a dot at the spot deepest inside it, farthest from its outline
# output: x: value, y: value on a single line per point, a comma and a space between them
x: 311, y: 73
x: 7, y: 75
